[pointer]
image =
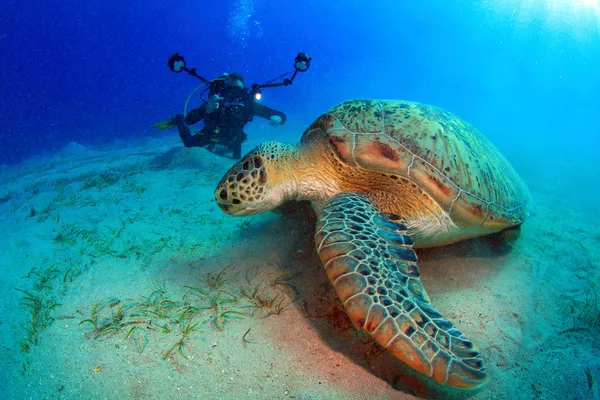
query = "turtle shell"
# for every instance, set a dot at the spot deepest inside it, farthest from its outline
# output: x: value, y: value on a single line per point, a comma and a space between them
x: 445, y: 156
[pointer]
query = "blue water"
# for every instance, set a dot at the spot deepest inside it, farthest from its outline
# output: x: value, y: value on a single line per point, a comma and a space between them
x: 75, y: 71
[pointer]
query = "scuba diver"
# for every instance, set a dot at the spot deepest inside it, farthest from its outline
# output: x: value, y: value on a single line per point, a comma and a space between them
x: 229, y: 107
x: 225, y: 114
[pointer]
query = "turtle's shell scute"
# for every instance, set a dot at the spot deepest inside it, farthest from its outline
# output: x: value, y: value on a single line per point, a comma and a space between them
x: 447, y: 157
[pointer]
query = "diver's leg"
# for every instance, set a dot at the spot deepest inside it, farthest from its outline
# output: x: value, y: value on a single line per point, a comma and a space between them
x: 186, y: 136
x: 184, y: 131
x: 237, y: 150
x: 237, y: 145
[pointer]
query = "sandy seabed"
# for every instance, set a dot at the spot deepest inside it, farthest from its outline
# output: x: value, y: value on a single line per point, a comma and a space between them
x: 132, y: 284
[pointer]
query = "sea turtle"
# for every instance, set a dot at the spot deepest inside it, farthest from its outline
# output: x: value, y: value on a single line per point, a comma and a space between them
x: 385, y: 176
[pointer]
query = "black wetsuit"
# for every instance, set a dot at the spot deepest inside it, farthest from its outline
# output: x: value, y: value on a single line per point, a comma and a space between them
x: 224, y: 125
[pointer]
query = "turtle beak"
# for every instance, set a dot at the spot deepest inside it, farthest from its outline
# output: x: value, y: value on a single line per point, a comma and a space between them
x: 237, y: 211
x: 224, y: 207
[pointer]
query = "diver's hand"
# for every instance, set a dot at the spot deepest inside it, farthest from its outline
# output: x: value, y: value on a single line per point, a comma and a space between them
x: 213, y: 103
x: 275, y: 120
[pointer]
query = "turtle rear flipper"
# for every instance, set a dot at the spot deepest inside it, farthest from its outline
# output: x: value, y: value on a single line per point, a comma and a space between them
x: 370, y: 261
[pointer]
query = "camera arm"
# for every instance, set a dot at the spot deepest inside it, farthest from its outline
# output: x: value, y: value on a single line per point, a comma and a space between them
x: 301, y: 64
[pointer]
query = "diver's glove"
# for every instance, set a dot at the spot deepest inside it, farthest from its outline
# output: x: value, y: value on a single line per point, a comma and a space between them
x: 213, y: 103
x: 167, y: 123
x: 275, y: 120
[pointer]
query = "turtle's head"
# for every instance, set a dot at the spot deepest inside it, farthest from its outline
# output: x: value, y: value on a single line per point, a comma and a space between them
x: 258, y: 182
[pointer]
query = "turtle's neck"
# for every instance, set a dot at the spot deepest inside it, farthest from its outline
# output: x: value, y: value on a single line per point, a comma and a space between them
x: 309, y: 174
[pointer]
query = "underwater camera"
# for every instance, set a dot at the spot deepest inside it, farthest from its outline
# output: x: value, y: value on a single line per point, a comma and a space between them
x: 301, y: 64
x: 235, y: 100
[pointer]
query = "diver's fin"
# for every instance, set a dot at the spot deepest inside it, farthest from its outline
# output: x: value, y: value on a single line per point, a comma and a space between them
x: 166, y: 124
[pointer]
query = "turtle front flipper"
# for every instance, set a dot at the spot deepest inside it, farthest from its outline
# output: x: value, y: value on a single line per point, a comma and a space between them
x: 369, y: 259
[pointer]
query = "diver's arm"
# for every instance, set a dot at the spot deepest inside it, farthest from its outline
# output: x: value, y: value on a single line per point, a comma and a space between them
x: 267, y: 112
x: 197, y: 114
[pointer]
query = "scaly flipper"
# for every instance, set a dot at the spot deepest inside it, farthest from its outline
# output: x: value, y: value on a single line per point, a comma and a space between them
x: 370, y: 261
